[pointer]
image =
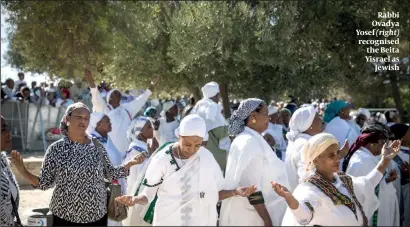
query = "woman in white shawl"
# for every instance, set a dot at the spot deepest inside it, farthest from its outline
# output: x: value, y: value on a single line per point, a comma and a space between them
x: 363, y: 157
x: 252, y: 162
x: 336, y: 117
x: 304, y: 124
x: 328, y: 197
x: 139, y: 132
x: 182, y: 183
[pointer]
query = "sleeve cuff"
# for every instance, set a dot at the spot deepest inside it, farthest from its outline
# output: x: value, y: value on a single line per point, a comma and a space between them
x: 148, y: 92
x: 304, y: 210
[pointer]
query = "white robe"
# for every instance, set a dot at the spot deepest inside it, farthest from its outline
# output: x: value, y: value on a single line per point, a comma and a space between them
x: 356, y: 129
x: 295, y: 166
x: 136, y: 147
x: 361, y: 164
x: 277, y: 134
x: 340, y: 129
x: 252, y: 162
x: 166, y: 131
x: 405, y: 191
x: 120, y: 117
x: 325, y: 212
x: 187, y: 196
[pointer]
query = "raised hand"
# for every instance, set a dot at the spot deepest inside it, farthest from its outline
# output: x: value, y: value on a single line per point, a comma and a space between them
x: 154, y: 81
x: 89, y: 76
x: 139, y: 158
x: 17, y: 161
x: 388, y: 153
x: 345, y: 149
x: 281, y: 190
x: 245, y: 191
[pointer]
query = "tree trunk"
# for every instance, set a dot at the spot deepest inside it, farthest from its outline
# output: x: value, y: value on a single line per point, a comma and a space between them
x: 225, y: 100
x: 196, y: 93
x: 396, y: 92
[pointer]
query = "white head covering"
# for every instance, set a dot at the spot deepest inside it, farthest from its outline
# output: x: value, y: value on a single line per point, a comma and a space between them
x: 177, y: 134
x: 135, y: 127
x: 167, y: 106
x: 210, y: 89
x: 365, y: 112
x: 272, y: 110
x: 192, y: 125
x: 300, y: 121
x: 316, y: 146
x: 94, y: 119
x: 110, y: 93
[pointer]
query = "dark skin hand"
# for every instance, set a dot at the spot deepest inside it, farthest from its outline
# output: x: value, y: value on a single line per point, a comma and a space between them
x: 392, y: 176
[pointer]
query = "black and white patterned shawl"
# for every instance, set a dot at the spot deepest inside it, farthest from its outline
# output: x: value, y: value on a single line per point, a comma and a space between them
x: 6, y: 207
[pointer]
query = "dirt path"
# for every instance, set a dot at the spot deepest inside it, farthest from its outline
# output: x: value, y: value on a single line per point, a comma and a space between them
x: 31, y: 199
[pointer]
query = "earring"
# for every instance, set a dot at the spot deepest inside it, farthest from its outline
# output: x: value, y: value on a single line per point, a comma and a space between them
x: 254, y: 121
x: 311, y: 127
x: 68, y: 123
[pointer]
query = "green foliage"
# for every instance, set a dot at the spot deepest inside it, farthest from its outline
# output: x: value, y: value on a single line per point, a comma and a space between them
x: 268, y: 49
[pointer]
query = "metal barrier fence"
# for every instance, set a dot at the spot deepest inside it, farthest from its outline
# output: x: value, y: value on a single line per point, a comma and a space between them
x: 29, y: 122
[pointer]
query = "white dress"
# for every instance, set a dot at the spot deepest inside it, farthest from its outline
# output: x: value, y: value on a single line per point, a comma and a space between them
x: 166, y: 131
x: 295, y: 167
x: 252, y: 162
x: 361, y: 164
x: 187, y: 190
x: 324, y: 212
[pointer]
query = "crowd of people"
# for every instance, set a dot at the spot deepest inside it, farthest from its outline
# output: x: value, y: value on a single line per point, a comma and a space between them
x: 182, y: 163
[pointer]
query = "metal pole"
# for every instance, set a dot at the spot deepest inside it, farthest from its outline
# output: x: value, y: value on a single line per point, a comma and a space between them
x: 21, y: 128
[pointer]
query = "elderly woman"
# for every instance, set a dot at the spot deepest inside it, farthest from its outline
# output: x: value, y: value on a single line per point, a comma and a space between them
x: 328, y: 197
x: 336, y: 117
x: 9, y: 189
x: 183, y: 183
x: 402, y: 132
x: 304, y: 124
x: 362, y: 158
x: 76, y: 167
x: 252, y: 162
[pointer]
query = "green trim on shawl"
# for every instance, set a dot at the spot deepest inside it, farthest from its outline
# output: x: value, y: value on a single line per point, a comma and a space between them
x: 149, y: 215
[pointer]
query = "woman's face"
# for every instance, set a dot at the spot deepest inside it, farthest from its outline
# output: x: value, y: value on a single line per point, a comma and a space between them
x: 260, y: 118
x: 344, y: 113
x: 361, y: 119
x: 189, y: 145
x: 274, y: 118
x: 329, y: 160
x: 79, y: 120
x: 104, y: 125
x: 317, y: 125
x: 5, y: 136
x: 285, y: 115
x: 376, y: 148
x: 26, y: 93
x: 148, y: 131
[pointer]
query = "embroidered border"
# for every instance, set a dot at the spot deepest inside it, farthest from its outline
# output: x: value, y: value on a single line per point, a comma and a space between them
x: 347, y: 180
x: 256, y: 198
x: 173, y: 161
x: 145, y: 183
x: 331, y: 191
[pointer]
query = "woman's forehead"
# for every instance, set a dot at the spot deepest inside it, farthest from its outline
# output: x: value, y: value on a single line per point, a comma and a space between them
x: 81, y: 112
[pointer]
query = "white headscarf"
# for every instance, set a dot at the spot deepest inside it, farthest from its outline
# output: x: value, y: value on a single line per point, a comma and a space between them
x: 365, y: 112
x: 272, y: 110
x: 94, y: 119
x: 316, y: 146
x: 135, y: 127
x: 177, y: 134
x: 210, y: 89
x: 110, y: 93
x: 192, y: 125
x: 167, y: 106
x: 300, y: 121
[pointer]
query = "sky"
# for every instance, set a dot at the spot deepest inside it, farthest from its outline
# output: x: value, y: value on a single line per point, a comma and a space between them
x: 6, y: 70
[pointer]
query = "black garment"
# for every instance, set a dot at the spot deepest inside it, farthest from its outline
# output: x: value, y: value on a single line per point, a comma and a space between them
x: 61, y: 222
